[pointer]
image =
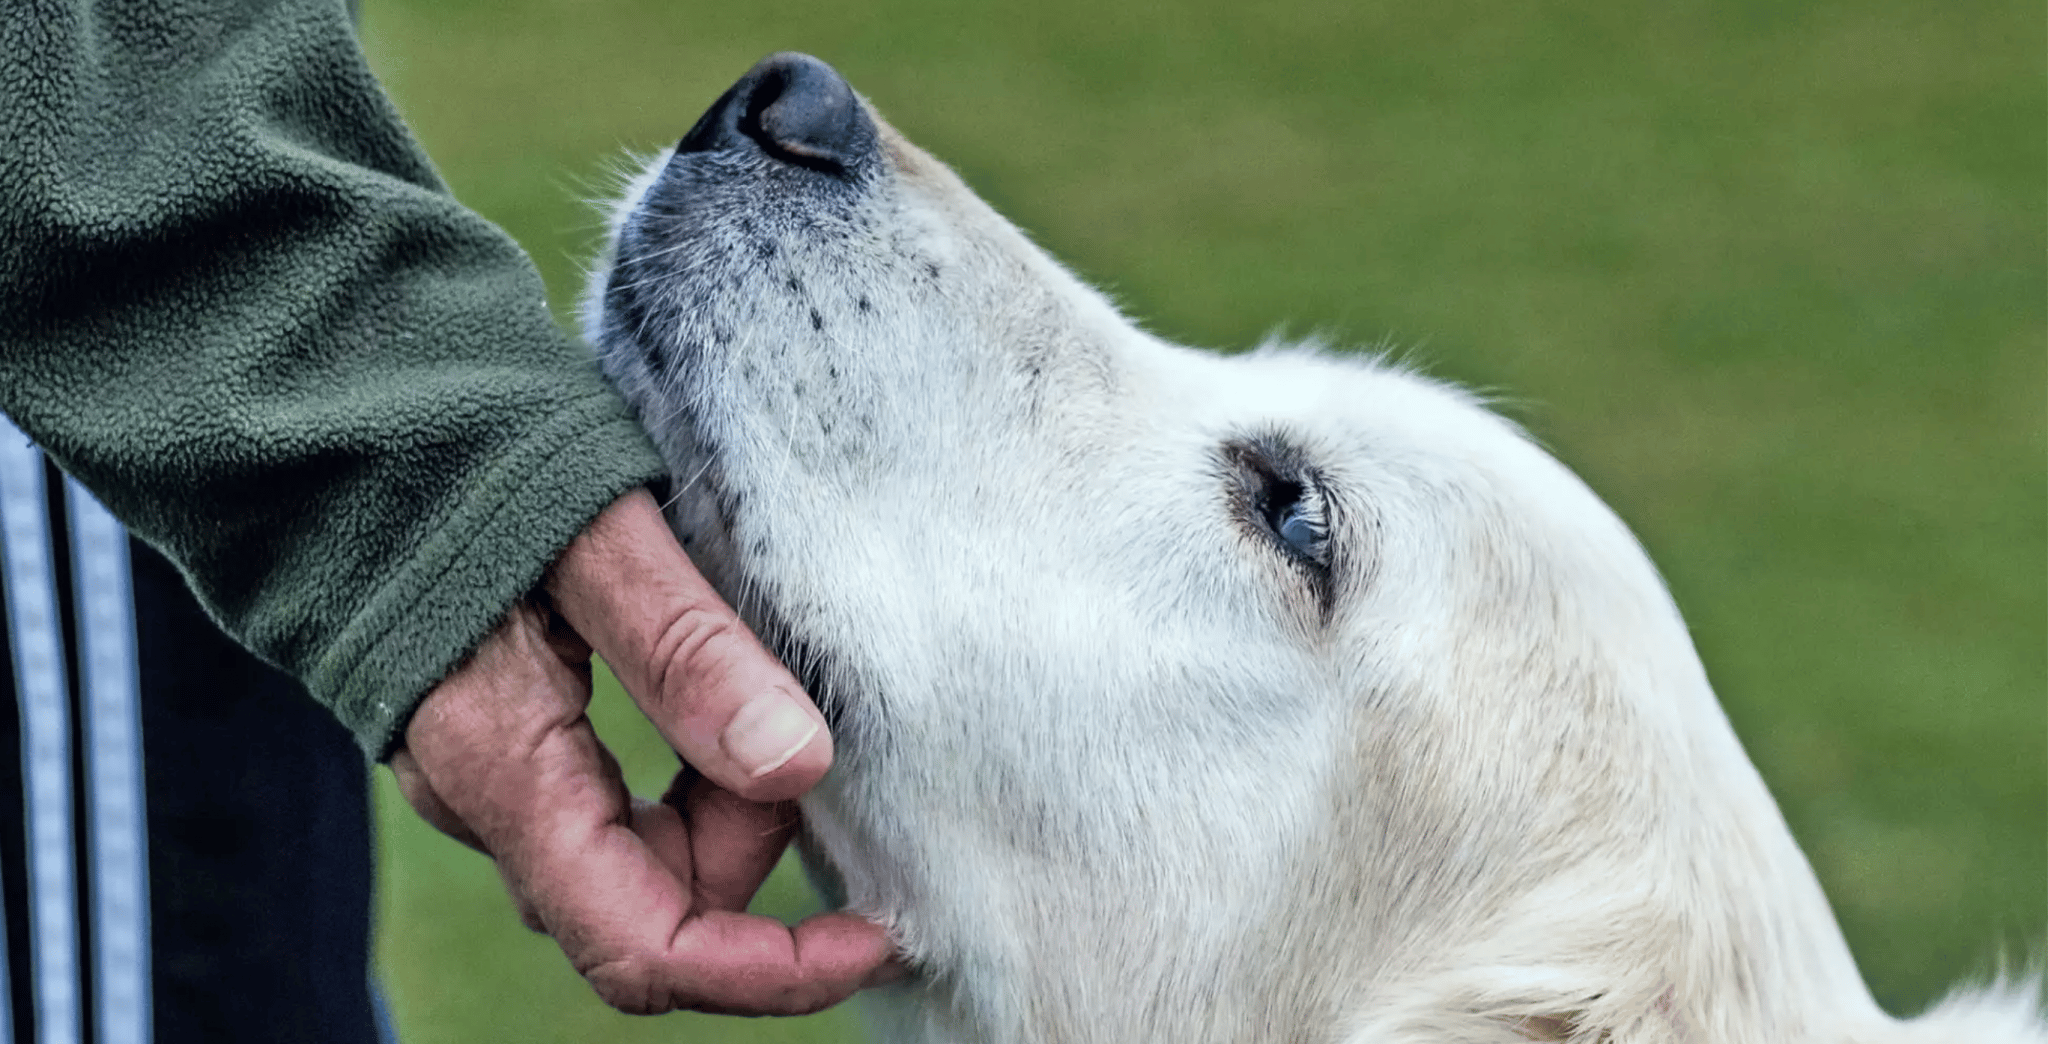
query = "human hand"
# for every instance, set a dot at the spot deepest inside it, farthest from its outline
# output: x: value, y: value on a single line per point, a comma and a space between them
x: 647, y: 899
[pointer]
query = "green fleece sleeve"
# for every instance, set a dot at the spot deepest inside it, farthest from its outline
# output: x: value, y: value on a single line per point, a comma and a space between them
x: 238, y: 304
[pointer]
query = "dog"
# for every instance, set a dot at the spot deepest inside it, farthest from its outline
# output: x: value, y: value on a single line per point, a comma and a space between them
x: 1178, y: 697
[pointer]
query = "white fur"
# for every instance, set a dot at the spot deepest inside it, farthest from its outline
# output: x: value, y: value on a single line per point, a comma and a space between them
x: 1109, y: 767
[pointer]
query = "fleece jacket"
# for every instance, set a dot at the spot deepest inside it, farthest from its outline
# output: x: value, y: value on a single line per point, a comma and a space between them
x: 239, y: 305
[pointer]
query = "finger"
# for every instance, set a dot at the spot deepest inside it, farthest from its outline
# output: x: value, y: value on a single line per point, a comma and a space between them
x: 734, y: 843
x: 561, y: 637
x: 662, y: 829
x: 714, y: 692
x: 529, y: 914
x: 412, y: 782
x: 765, y: 967
x: 641, y: 937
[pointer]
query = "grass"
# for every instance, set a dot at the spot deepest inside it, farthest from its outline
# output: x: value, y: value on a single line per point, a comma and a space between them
x: 1770, y: 275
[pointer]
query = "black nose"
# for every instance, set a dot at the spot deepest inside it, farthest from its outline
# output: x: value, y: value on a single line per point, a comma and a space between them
x: 796, y: 108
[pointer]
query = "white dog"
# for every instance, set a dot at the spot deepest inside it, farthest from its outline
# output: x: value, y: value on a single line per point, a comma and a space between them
x: 1186, y: 698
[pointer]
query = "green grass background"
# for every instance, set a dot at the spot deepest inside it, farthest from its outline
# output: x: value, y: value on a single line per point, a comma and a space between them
x: 1770, y: 275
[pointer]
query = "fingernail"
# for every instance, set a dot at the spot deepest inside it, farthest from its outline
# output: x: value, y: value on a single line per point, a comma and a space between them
x: 767, y: 732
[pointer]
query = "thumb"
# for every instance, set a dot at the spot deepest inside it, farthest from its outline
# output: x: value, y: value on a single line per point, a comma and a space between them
x: 705, y: 681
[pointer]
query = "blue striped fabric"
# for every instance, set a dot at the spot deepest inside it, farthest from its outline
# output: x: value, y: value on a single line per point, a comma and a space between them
x: 88, y: 903
x: 6, y: 974
x: 110, y: 684
x: 45, y: 738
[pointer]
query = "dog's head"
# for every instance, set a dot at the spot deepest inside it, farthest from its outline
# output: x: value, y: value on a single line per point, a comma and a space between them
x: 1175, y: 693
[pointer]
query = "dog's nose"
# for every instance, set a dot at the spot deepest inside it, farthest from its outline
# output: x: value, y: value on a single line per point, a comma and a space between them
x: 796, y: 108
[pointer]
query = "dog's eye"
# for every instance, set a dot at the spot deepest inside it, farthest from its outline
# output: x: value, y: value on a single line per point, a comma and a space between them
x: 1279, y: 496
x: 1294, y: 512
x: 1301, y: 532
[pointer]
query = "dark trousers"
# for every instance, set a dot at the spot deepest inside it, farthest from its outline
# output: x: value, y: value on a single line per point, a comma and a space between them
x: 219, y: 891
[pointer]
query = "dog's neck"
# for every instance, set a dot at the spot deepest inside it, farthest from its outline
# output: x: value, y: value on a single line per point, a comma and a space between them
x: 1673, y: 909
x: 1580, y: 954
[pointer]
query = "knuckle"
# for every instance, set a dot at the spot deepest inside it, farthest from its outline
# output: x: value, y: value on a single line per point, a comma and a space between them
x: 699, y: 643
x: 627, y: 984
x: 529, y: 915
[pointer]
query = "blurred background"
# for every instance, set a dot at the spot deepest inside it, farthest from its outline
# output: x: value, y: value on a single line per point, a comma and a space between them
x: 1769, y: 274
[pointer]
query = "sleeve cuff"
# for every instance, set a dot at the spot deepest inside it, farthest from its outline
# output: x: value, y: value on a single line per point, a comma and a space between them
x: 493, y: 548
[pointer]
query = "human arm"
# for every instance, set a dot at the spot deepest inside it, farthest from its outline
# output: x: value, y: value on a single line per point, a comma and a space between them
x: 237, y: 303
